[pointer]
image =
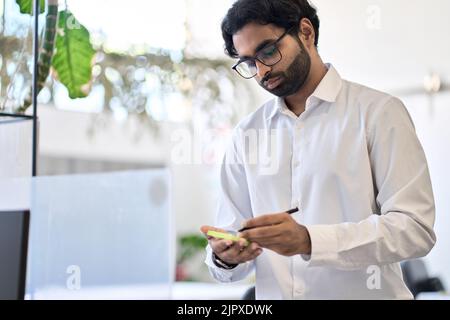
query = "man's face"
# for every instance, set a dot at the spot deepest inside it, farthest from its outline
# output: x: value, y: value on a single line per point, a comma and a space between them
x: 287, y: 76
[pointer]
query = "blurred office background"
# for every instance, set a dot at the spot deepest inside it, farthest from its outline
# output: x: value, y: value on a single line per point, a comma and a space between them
x: 160, y: 74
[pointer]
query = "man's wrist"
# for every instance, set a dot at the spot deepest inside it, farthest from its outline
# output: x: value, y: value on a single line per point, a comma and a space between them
x: 305, y: 246
x: 222, y: 264
x: 308, y: 243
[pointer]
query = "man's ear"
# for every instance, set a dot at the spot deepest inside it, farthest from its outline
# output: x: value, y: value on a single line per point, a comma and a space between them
x: 306, y: 31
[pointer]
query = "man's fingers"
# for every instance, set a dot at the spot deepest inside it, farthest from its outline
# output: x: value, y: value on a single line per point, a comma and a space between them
x: 232, y: 252
x: 205, y: 229
x: 220, y: 245
x: 254, y: 254
x: 270, y: 243
x: 249, y: 249
x: 250, y: 253
x: 265, y: 220
x: 256, y: 234
x: 240, y: 252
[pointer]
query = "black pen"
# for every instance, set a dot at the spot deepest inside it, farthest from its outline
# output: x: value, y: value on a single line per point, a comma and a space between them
x: 289, y: 212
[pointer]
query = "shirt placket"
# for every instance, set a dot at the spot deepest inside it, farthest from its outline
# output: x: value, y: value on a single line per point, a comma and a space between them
x: 297, y: 152
x: 297, y: 146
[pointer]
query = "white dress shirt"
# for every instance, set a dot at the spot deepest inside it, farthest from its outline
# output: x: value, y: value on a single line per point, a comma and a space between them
x: 353, y: 165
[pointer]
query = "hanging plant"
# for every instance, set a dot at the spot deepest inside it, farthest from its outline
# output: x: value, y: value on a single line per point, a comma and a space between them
x: 73, y: 56
x: 65, y: 47
x: 132, y: 83
x: 26, y: 6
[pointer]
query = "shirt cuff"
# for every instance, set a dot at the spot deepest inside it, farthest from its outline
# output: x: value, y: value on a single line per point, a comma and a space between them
x: 324, y: 245
x: 220, y: 274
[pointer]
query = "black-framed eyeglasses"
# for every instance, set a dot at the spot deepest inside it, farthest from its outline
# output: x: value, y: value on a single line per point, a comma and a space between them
x: 269, y: 56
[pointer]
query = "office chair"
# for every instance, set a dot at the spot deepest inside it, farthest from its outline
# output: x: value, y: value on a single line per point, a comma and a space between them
x: 417, y: 278
x: 249, y: 294
x: 14, y: 228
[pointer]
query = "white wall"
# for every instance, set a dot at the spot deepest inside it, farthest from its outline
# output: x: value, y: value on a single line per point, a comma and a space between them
x: 383, y: 43
x: 432, y: 118
x: 65, y: 135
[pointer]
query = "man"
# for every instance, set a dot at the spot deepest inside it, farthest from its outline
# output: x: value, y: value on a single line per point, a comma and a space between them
x: 347, y: 156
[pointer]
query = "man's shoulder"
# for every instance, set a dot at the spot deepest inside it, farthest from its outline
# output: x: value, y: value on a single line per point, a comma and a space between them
x: 377, y: 107
x: 364, y: 94
x: 369, y: 100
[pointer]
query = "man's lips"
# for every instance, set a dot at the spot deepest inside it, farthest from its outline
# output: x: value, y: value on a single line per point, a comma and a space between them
x: 273, y: 82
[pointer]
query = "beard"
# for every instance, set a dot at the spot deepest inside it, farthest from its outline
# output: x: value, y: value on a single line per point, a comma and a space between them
x: 295, y: 76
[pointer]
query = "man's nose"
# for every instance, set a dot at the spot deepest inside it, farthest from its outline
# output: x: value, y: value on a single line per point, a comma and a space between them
x: 262, y: 69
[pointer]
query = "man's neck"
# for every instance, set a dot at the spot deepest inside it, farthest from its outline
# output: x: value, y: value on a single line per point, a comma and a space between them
x: 297, y: 102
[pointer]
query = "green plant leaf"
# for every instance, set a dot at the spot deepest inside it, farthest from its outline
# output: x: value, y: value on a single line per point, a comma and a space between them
x: 74, y: 55
x: 190, y: 244
x: 194, y: 241
x: 26, y: 6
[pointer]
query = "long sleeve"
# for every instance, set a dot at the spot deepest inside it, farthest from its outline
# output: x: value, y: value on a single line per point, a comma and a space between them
x: 233, y: 208
x: 403, y: 229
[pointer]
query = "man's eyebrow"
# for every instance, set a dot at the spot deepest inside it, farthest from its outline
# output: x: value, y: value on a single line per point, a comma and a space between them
x: 259, y: 47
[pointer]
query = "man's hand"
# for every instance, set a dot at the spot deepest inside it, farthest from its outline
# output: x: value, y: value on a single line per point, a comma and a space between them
x: 278, y: 232
x: 232, y: 252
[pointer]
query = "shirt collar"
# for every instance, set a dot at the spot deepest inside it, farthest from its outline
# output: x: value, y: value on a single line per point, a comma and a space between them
x: 327, y: 90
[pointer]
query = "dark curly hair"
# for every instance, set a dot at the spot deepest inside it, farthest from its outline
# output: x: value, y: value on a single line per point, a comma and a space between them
x: 282, y: 13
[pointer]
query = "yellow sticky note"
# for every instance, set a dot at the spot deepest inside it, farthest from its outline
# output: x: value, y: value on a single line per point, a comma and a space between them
x: 226, y: 236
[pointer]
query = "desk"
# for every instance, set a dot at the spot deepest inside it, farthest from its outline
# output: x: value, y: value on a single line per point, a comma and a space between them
x: 179, y: 291
x: 208, y: 291
x: 99, y: 236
